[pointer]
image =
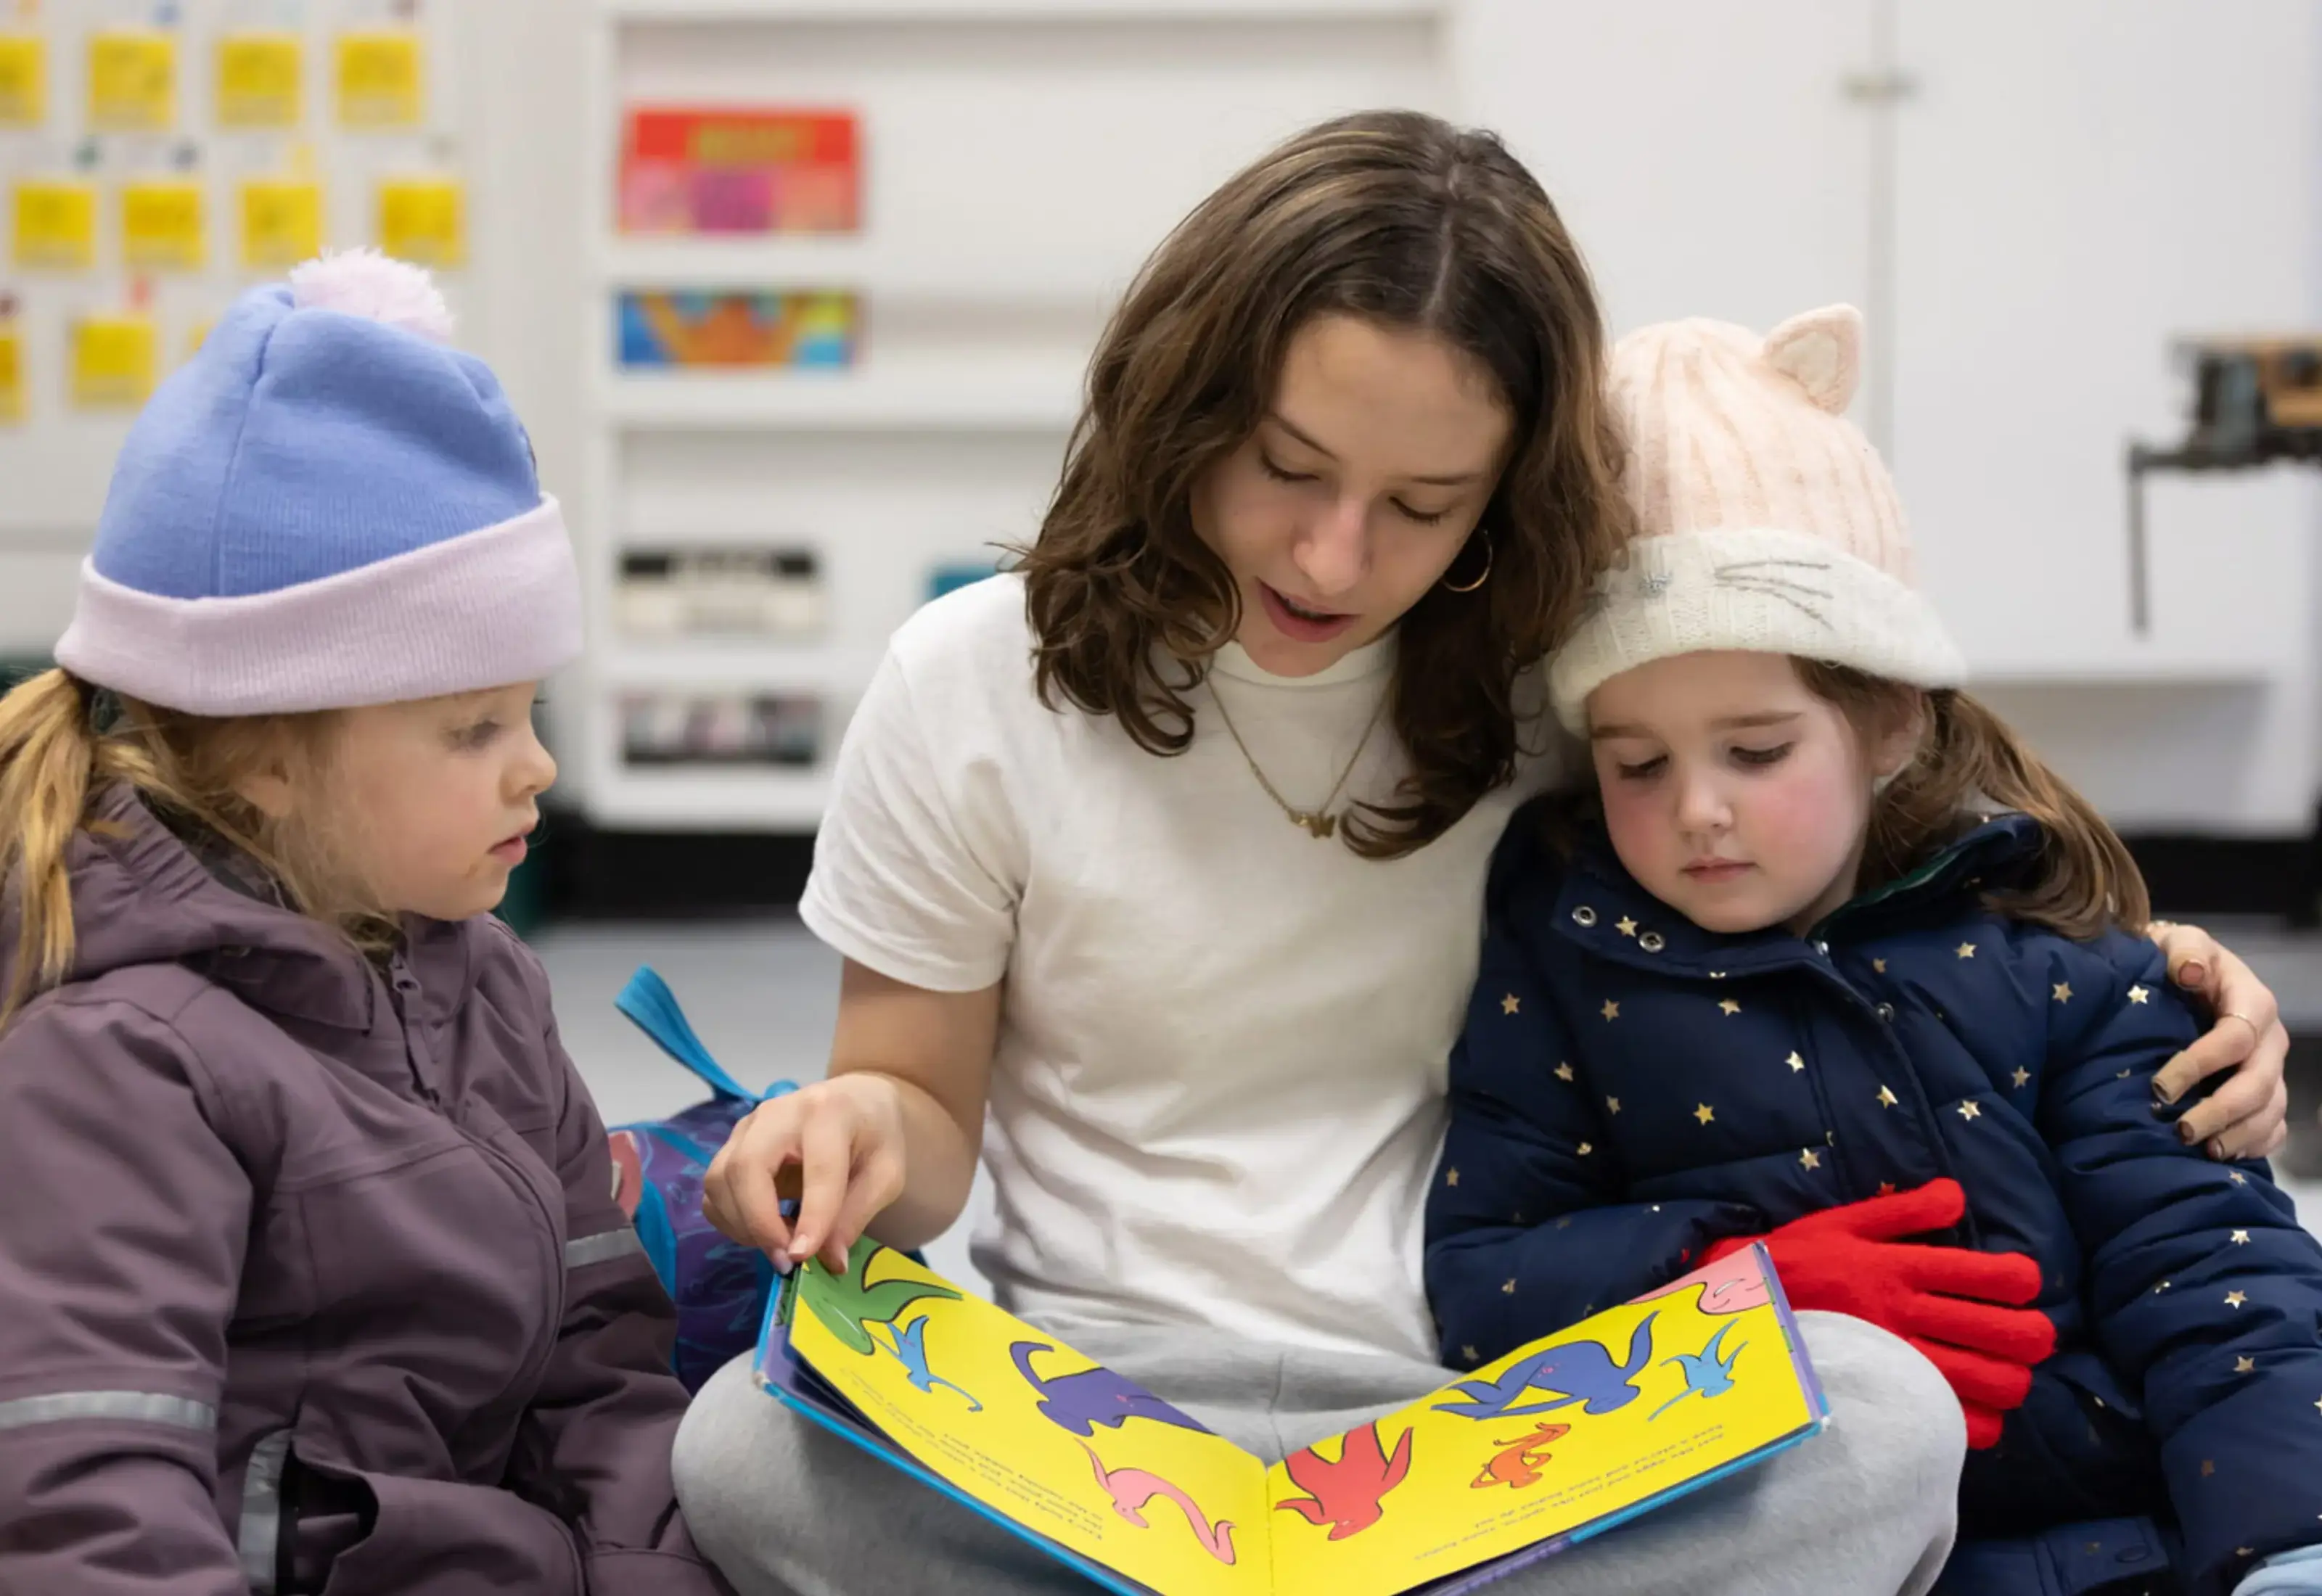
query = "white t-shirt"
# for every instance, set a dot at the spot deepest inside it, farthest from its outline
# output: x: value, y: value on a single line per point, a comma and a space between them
x: 1218, y: 1091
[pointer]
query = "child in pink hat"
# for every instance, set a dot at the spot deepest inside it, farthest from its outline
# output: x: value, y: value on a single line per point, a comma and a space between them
x: 1830, y: 961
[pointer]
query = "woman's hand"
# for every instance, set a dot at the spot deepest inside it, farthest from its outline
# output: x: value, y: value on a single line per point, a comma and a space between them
x: 837, y: 1146
x: 2247, y: 1115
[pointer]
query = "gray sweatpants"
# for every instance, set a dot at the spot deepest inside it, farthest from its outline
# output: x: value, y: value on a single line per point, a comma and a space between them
x: 1866, y: 1508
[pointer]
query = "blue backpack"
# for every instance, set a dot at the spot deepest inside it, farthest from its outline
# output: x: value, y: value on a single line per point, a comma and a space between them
x: 720, y: 1287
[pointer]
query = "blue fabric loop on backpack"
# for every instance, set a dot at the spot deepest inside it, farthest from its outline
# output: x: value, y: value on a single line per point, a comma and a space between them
x: 647, y: 1000
x: 718, y: 1286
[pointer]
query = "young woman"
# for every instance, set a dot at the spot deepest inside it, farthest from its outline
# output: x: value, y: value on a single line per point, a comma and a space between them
x: 1157, y: 867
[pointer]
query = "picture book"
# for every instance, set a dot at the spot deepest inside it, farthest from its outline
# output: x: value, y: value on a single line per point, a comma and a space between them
x: 1558, y: 1441
x: 687, y: 327
x: 740, y: 170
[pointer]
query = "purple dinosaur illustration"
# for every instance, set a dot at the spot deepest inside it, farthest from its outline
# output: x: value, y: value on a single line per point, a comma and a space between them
x: 1132, y: 1488
x: 1583, y: 1371
x: 1079, y: 1402
x: 910, y: 1350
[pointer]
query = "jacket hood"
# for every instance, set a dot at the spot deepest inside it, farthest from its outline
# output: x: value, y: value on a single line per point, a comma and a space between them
x: 142, y: 896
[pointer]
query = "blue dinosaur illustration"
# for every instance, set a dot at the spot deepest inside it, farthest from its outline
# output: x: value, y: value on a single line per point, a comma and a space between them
x: 1582, y: 1371
x: 910, y: 1350
x: 1079, y: 1402
x: 1708, y: 1371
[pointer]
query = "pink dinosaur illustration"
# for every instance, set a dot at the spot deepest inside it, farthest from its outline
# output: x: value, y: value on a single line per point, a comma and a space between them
x: 1348, y: 1495
x: 1732, y: 1284
x: 1134, y: 1487
x: 1517, y: 1463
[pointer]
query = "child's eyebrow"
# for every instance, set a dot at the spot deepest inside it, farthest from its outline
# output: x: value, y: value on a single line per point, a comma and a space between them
x: 1772, y: 718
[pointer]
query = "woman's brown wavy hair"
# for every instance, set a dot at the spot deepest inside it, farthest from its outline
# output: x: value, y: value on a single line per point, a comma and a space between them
x: 1408, y: 223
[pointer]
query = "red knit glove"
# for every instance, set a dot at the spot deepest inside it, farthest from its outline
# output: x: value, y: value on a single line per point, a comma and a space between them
x: 1962, y: 1308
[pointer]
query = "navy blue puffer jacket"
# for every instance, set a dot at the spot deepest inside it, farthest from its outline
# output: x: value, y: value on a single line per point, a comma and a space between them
x: 1632, y: 1089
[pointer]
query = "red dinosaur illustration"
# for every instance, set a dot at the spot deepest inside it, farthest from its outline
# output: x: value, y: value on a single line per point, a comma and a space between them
x: 1348, y: 1495
x: 1133, y: 1488
x: 1519, y: 1465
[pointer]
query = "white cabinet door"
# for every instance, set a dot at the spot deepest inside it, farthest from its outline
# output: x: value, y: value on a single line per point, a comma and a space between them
x: 2077, y: 184
x: 1705, y: 155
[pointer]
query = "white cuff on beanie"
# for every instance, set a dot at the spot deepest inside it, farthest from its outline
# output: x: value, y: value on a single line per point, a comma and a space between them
x: 485, y: 609
x: 1760, y: 589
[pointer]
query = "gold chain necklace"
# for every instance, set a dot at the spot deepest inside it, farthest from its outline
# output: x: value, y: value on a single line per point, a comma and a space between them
x: 1319, y: 824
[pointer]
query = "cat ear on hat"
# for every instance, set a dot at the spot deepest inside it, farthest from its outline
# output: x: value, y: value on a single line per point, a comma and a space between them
x: 1822, y: 352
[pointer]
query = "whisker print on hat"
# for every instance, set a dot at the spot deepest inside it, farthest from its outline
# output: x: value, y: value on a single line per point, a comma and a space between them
x: 1746, y: 575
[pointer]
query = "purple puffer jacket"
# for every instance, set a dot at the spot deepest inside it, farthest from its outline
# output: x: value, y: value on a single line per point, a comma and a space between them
x: 310, y: 1274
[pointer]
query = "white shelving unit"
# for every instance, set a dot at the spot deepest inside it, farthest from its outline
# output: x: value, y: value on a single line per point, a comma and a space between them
x: 1031, y: 396
x: 1019, y: 158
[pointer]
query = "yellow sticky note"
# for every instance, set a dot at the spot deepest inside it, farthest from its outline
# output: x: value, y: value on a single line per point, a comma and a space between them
x: 161, y: 225
x: 23, y: 80
x: 112, y: 361
x: 132, y: 81
x: 379, y: 76
x: 56, y: 223
x: 423, y: 220
x: 12, y: 373
x: 258, y: 79
x: 281, y: 220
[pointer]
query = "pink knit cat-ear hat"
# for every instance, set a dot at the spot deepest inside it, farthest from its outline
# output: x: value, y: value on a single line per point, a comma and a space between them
x: 1764, y: 519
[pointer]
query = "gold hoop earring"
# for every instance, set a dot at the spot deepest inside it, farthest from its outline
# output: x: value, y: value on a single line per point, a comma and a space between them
x: 1484, y: 532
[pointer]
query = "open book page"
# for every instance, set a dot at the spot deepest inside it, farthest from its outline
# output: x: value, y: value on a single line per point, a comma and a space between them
x: 1034, y: 1430
x: 1564, y: 1435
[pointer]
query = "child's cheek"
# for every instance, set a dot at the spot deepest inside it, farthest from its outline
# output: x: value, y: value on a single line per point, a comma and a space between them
x: 1804, y: 819
x: 1638, y: 830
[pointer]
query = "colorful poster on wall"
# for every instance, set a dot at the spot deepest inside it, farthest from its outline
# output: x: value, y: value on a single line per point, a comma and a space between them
x: 163, y: 225
x: 132, y: 81
x: 281, y: 222
x: 688, y: 327
x: 766, y: 170
x: 56, y: 223
x: 260, y: 78
x: 23, y: 79
x: 113, y: 358
x: 381, y: 81
x: 12, y: 369
x: 423, y: 219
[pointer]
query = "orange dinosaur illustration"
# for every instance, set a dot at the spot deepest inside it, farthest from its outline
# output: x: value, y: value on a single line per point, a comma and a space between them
x: 1519, y: 1465
x: 1348, y: 1494
x: 1132, y: 1488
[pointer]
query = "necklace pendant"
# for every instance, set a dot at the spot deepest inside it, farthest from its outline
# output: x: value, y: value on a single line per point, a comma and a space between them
x: 1318, y: 825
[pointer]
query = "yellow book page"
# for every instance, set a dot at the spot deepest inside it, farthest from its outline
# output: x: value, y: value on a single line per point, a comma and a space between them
x: 113, y: 361
x: 132, y: 81
x: 259, y: 76
x: 23, y: 79
x: 163, y: 224
x: 1566, y: 1431
x: 12, y: 373
x: 1031, y: 1428
x: 382, y: 78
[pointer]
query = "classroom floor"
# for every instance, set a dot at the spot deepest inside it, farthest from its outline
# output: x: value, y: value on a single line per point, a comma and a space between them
x: 763, y: 994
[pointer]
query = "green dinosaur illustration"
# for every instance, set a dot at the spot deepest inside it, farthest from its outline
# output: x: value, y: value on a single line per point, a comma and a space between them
x: 845, y: 1304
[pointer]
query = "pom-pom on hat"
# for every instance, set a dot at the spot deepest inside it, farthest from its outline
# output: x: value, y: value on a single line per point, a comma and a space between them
x: 327, y: 507
x: 1765, y: 520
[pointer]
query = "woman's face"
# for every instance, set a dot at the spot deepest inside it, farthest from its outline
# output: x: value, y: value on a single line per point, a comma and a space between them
x: 1362, y: 483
